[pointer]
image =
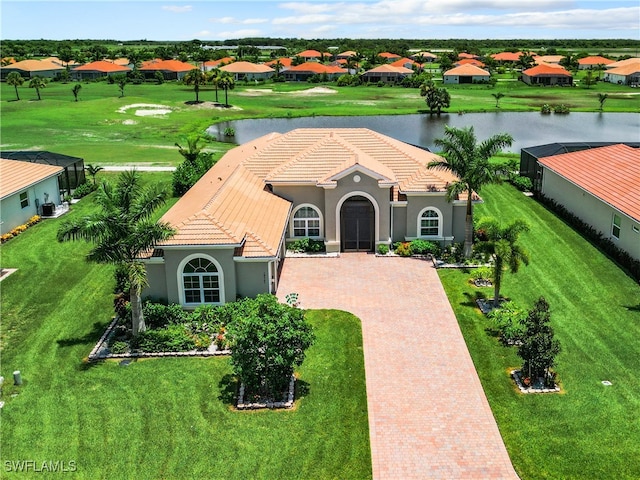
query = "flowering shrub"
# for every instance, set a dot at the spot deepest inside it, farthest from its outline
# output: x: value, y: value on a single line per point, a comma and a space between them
x: 403, y: 249
x: 19, y: 229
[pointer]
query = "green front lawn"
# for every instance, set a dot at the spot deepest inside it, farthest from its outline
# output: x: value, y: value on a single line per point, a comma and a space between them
x: 159, y: 418
x: 590, y: 430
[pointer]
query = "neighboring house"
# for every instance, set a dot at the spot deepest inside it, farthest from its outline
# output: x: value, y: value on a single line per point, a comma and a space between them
x: 426, y: 57
x: 99, y: 69
x: 506, y: 57
x: 547, y: 75
x: 389, y: 57
x: 24, y: 189
x: 593, y: 62
x: 353, y: 189
x: 405, y: 62
x: 284, y: 61
x: 470, y: 61
x: 466, y: 74
x: 170, y: 69
x: 623, y: 63
x: 248, y: 71
x: 548, y: 59
x: 311, y: 55
x: 386, y: 74
x: 346, y: 55
x: 628, y: 74
x: 73, y: 167
x: 213, y: 64
x: 301, y: 73
x: 601, y: 186
x: 468, y: 56
x: 33, y: 68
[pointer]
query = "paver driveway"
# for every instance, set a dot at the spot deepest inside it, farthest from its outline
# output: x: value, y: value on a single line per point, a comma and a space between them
x: 428, y: 415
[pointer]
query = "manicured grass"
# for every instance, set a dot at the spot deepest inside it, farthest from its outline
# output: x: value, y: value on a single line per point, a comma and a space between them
x: 94, y: 129
x: 590, y: 430
x: 159, y: 418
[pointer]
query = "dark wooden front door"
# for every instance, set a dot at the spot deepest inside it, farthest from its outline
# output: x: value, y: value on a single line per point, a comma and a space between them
x: 357, y: 225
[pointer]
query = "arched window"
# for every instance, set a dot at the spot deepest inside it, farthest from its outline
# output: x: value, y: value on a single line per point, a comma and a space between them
x: 430, y: 223
x: 200, y: 282
x: 307, y: 222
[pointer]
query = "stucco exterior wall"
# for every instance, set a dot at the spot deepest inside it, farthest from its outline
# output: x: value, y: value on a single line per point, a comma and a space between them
x: 418, y: 203
x: 11, y: 212
x: 157, y: 282
x: 593, y: 211
x: 399, y: 224
x: 253, y: 278
x: 299, y: 195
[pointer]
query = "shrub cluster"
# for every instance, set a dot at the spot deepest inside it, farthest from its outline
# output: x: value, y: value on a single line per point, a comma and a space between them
x: 306, y: 245
x: 19, y: 229
x: 188, y: 173
x: 621, y: 257
x: 84, y: 189
x: 509, y: 321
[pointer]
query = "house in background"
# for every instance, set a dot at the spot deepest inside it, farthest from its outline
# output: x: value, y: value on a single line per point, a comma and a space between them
x: 466, y: 74
x: 170, y: 69
x: 33, y: 68
x: 587, y: 63
x: 598, y: 182
x: 302, y: 73
x: 547, y: 75
x: 312, y: 55
x: 387, y: 74
x: 352, y: 189
x: 97, y: 70
x: 627, y: 74
x: 26, y: 189
x: 248, y: 71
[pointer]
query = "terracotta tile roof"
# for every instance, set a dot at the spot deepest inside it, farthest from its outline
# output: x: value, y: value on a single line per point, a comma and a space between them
x: 246, y: 67
x: 403, y: 62
x: 506, y: 56
x: 388, y: 55
x: 316, y: 67
x: 310, y: 54
x: 167, y: 65
x: 470, y: 61
x: 347, y: 54
x: 16, y: 175
x: 548, y: 59
x: 595, y: 60
x: 622, y: 63
x: 467, y: 70
x: 545, y: 69
x: 625, y: 70
x: 284, y: 61
x: 35, y: 66
x: 463, y: 55
x: 424, y: 54
x: 219, y: 62
x: 389, y: 68
x: 610, y: 173
x: 102, y: 66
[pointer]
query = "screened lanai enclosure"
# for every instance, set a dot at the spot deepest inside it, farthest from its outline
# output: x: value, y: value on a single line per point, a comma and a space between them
x: 72, y: 176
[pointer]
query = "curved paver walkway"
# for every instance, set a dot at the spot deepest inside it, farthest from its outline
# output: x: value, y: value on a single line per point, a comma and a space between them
x: 428, y: 415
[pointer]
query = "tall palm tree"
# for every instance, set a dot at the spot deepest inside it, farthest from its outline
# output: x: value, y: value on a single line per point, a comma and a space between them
x: 213, y: 77
x: 470, y: 162
x: 38, y: 83
x: 195, y: 77
x: 501, y: 244
x: 227, y: 83
x: 15, y: 79
x: 122, y: 231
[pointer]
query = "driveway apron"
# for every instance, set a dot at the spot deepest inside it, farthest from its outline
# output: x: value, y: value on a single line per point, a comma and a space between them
x: 428, y: 415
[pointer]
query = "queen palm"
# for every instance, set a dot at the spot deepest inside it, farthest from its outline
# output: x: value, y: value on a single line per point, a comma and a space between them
x: 213, y: 77
x: 501, y: 245
x: 122, y: 231
x: 470, y: 162
x: 38, y: 83
x: 15, y: 80
x: 227, y: 83
x: 195, y: 77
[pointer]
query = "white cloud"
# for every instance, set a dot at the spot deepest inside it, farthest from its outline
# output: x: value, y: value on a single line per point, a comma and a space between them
x: 235, y: 21
x: 177, y: 9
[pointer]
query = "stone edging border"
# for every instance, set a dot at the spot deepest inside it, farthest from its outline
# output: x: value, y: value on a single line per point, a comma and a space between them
x: 99, y: 350
x: 515, y: 374
x: 254, y: 406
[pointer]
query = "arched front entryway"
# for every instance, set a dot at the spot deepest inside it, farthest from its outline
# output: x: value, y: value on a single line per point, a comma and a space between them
x: 357, y: 225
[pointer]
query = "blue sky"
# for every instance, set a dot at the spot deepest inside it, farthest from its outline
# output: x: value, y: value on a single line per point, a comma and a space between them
x: 414, y: 19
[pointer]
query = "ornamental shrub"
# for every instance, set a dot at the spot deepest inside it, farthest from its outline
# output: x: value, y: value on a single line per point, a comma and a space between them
x: 424, y: 247
x: 173, y: 338
x: 84, y: 189
x: 158, y: 315
x: 508, y: 319
x: 402, y: 249
x: 524, y: 184
x: 383, y: 249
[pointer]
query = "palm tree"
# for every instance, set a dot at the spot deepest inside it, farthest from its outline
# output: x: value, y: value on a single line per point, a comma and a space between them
x: 435, y: 98
x: 227, y: 83
x: 470, y: 162
x: 121, y: 80
x: 601, y: 98
x: 76, y: 89
x: 195, y: 77
x: 38, y: 83
x: 93, y: 171
x: 501, y: 245
x: 193, y: 149
x: 122, y: 231
x: 16, y: 80
x: 213, y: 77
x: 497, y: 96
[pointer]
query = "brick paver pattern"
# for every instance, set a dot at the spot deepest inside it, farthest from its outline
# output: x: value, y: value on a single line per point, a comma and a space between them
x: 428, y: 414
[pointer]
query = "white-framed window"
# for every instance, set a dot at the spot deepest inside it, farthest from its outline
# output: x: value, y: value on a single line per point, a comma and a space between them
x: 24, y: 199
x: 616, y: 226
x: 201, y: 282
x: 306, y: 222
x: 430, y: 223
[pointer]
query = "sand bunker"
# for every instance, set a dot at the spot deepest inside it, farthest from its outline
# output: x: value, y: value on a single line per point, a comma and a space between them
x: 146, y: 109
x: 315, y: 91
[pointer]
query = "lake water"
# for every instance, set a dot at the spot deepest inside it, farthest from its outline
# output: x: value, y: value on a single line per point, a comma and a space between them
x: 527, y: 128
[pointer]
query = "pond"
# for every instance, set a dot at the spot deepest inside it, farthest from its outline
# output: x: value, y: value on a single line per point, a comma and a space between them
x: 527, y: 128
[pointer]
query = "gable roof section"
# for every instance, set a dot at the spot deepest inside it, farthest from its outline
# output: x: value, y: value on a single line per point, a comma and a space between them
x: 102, y: 66
x: 219, y: 62
x: 594, y: 60
x: 34, y: 66
x: 610, y: 173
x: 309, y: 54
x: 470, y: 61
x: 389, y: 68
x: 622, y: 63
x: 625, y: 70
x: 16, y: 175
x: 167, y: 65
x: 315, y: 67
x: 246, y: 67
x: 506, y: 56
x: 468, y: 70
x: 545, y: 69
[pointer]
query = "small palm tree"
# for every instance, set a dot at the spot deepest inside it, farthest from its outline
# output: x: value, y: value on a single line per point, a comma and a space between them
x: 470, y: 162
x: 76, y: 89
x: 501, y: 245
x: 122, y: 82
x: 38, y: 83
x: 195, y: 77
x: 193, y: 148
x: 122, y: 231
x: 93, y: 171
x: 15, y: 79
x: 601, y: 98
x: 497, y: 96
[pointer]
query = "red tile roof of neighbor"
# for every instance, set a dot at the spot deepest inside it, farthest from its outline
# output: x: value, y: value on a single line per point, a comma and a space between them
x: 284, y: 61
x: 467, y: 70
x: 595, y: 60
x: 16, y: 175
x: 102, y: 66
x: 219, y: 62
x: 34, y: 66
x: 389, y: 68
x: 467, y: 55
x: 470, y: 61
x: 545, y: 69
x: 403, y: 62
x: 622, y: 63
x: 246, y: 67
x: 309, y: 54
x: 316, y: 67
x: 625, y: 70
x: 553, y: 59
x: 167, y: 65
x: 610, y: 173
x: 388, y: 55
x: 507, y: 56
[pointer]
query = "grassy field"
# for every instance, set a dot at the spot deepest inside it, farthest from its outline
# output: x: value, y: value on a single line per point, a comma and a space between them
x: 102, y: 130
x: 589, y: 430
x: 159, y: 418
